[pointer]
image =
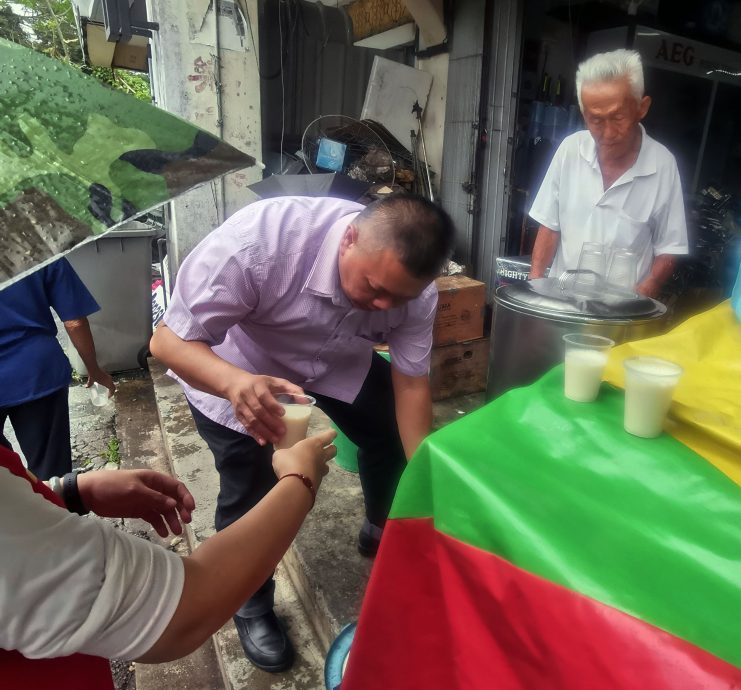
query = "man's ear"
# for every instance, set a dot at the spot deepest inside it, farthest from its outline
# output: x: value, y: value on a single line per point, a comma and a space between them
x: 643, y: 107
x: 349, y: 239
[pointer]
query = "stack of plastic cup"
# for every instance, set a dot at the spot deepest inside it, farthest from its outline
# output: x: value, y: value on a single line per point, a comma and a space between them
x: 623, y: 270
x: 592, y: 267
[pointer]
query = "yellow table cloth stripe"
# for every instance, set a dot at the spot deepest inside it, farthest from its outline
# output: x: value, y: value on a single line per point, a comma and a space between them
x: 706, y: 409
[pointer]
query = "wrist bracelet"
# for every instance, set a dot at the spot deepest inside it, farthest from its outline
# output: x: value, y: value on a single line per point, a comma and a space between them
x: 306, y: 482
x: 71, y: 494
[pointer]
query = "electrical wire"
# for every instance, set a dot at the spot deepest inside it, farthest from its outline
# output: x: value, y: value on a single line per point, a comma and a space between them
x: 282, y: 86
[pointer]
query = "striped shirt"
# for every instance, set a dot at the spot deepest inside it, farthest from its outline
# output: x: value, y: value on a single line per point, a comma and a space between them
x: 263, y: 290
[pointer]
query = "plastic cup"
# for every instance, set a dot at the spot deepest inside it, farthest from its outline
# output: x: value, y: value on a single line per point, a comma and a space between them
x: 99, y: 395
x: 592, y: 266
x: 623, y: 270
x: 585, y: 361
x: 298, y: 412
x: 649, y: 386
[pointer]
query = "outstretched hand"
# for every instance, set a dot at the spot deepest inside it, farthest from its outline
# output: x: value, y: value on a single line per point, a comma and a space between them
x: 308, y: 457
x: 152, y: 496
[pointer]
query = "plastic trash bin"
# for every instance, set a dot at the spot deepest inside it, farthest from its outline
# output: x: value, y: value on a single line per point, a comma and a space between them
x: 117, y: 269
x: 347, y: 451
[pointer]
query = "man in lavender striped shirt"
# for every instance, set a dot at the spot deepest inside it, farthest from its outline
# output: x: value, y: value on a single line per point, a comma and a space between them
x: 288, y: 295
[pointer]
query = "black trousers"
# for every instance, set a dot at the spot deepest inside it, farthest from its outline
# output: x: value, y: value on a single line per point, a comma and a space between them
x: 246, y: 473
x: 42, y: 429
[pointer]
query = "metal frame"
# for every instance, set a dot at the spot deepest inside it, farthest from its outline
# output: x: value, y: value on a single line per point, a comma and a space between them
x: 118, y: 23
x: 501, y: 110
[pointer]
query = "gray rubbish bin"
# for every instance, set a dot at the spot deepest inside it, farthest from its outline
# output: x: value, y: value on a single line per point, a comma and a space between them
x: 117, y: 269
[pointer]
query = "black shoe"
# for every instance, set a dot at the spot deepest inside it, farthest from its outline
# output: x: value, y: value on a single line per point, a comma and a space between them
x: 369, y: 539
x: 265, y: 642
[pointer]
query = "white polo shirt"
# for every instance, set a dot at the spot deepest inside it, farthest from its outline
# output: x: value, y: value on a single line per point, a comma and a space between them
x: 642, y: 211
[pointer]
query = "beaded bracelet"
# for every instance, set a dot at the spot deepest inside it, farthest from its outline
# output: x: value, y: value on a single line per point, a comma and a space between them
x: 306, y: 482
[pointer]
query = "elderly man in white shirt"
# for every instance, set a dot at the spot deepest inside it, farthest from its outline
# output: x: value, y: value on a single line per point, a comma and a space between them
x: 612, y: 184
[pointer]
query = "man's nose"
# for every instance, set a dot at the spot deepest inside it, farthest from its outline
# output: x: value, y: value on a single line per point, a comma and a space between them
x: 610, y: 132
x: 383, y: 302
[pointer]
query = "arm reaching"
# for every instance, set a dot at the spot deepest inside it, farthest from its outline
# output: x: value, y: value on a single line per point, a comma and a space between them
x: 413, y: 409
x: 661, y: 271
x: 244, y: 554
x: 124, y: 596
x: 251, y: 395
x: 546, y: 244
x: 160, y: 500
x: 82, y: 338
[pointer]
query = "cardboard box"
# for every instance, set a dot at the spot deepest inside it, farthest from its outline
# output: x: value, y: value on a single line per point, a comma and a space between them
x: 459, y: 369
x: 460, y: 310
x: 512, y: 269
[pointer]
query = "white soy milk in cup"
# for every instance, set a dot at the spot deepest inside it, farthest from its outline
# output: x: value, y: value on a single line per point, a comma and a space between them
x: 649, y: 386
x: 296, y: 418
x: 585, y: 361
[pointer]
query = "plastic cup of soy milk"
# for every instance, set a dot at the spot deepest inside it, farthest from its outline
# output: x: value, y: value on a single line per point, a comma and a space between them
x: 298, y: 412
x: 649, y: 386
x: 585, y: 361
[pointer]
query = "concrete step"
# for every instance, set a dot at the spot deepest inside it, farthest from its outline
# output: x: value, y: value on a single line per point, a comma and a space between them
x: 142, y: 446
x: 193, y: 463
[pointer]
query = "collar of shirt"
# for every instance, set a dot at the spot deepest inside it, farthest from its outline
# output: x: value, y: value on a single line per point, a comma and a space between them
x: 644, y: 165
x: 324, y: 277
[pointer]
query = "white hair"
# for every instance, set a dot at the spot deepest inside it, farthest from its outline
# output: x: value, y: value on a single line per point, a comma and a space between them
x: 618, y: 64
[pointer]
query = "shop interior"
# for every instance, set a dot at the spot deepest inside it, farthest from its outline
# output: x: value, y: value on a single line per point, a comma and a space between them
x: 692, y: 58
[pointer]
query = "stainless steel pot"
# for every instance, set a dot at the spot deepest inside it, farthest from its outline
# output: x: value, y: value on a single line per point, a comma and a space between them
x: 527, y: 331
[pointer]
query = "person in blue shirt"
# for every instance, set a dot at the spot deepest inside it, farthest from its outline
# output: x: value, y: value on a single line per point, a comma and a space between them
x: 34, y: 371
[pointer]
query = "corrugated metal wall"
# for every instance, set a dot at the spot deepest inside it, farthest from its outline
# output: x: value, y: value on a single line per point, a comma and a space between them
x: 323, y: 73
x: 458, y: 189
x: 503, y: 71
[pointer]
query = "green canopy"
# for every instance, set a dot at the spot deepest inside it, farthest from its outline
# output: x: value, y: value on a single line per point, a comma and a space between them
x: 77, y: 158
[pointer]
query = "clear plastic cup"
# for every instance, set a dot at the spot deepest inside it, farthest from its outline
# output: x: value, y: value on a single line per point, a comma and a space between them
x: 649, y: 386
x: 592, y: 267
x: 623, y: 270
x: 99, y: 395
x: 298, y: 412
x: 585, y: 361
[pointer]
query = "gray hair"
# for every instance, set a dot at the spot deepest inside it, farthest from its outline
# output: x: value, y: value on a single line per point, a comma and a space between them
x: 618, y: 64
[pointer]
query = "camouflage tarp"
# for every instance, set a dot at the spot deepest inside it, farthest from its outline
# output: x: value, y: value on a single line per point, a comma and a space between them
x: 77, y: 158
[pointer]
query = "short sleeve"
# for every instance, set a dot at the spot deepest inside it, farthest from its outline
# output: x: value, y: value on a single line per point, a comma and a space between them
x: 670, y: 234
x: 216, y: 288
x: 70, y: 584
x: 410, y: 343
x: 545, y: 209
x: 66, y: 292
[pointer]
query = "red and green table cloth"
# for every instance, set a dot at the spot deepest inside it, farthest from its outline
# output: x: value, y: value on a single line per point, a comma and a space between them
x: 536, y: 545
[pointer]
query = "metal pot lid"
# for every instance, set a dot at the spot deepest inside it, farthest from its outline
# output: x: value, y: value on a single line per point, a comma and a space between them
x: 549, y: 296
